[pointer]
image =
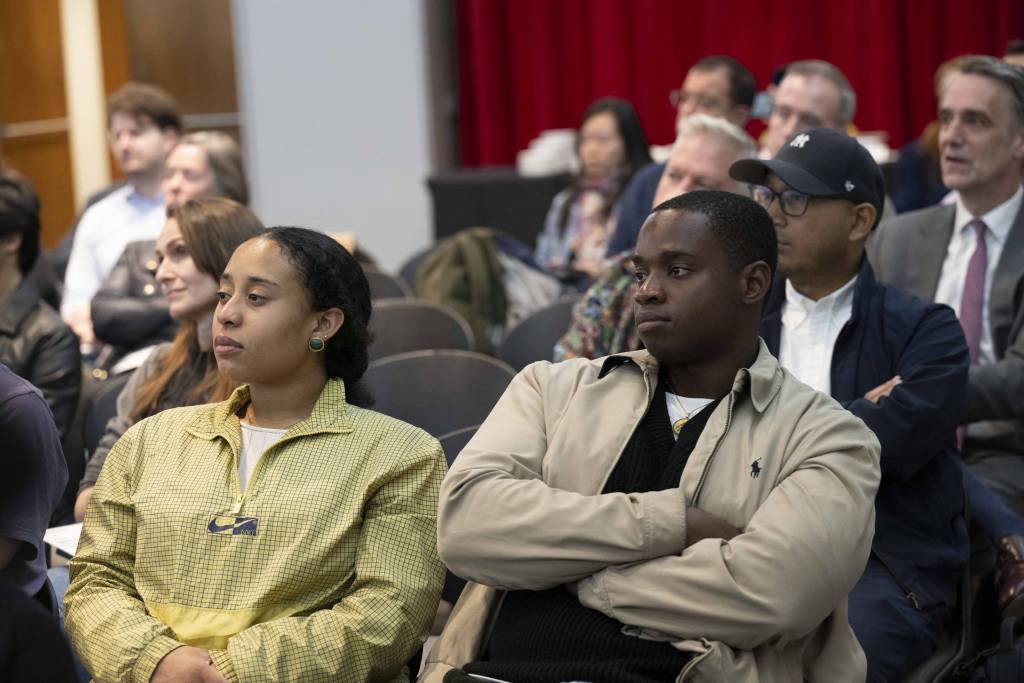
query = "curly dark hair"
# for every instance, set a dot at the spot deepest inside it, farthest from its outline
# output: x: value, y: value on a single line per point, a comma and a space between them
x: 333, y: 279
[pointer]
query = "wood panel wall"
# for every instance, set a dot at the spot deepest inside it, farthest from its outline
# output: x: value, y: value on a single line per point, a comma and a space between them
x: 184, y: 46
x: 33, y: 110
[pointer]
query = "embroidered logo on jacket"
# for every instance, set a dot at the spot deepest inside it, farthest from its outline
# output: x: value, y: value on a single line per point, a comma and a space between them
x: 231, y: 525
x: 755, y: 469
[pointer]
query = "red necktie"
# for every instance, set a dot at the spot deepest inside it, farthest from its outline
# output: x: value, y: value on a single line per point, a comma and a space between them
x: 972, y: 301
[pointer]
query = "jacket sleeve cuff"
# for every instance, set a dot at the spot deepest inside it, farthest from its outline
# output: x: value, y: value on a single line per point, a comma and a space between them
x: 591, y: 593
x: 223, y: 663
x: 150, y: 657
x: 664, y: 515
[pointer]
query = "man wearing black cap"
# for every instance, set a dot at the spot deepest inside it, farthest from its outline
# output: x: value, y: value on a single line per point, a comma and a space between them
x: 895, y: 361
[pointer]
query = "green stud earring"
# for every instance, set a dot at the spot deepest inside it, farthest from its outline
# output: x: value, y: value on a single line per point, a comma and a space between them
x: 316, y: 344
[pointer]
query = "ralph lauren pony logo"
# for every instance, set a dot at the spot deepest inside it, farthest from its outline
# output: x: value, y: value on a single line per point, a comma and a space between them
x: 755, y: 469
x: 233, y: 525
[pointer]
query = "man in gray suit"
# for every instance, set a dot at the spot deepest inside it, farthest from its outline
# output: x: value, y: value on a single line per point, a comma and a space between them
x: 971, y: 256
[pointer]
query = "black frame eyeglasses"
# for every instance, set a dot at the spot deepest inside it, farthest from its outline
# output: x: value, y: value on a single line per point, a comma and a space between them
x: 792, y: 202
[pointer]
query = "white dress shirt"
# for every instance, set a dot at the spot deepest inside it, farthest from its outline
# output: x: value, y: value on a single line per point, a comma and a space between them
x: 961, y: 246
x: 809, y: 332
x: 104, y: 231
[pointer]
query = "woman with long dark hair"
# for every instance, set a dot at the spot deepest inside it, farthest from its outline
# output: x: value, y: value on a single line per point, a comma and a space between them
x: 611, y: 147
x: 194, y: 247
x: 283, y: 534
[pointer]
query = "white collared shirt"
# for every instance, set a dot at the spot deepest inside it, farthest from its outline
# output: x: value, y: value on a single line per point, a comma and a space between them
x: 961, y: 247
x: 809, y: 332
x: 104, y: 231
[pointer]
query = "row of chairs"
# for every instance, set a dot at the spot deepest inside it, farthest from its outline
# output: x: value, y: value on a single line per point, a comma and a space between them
x: 402, y: 325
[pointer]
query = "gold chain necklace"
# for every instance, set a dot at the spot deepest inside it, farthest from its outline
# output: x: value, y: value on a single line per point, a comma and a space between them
x: 678, y: 425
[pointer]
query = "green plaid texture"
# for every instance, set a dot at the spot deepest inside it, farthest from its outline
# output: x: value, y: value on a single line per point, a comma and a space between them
x: 326, y: 569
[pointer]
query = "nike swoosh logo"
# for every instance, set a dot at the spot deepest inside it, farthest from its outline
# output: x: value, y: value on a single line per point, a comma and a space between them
x: 216, y: 528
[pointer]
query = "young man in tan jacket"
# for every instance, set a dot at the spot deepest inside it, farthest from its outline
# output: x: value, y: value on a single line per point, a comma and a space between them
x: 687, y: 512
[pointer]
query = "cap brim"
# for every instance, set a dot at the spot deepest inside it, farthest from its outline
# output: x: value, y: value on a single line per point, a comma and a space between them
x: 755, y: 171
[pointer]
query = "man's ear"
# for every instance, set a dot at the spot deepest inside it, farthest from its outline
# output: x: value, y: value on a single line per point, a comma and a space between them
x: 328, y: 323
x: 755, y: 281
x: 863, y: 221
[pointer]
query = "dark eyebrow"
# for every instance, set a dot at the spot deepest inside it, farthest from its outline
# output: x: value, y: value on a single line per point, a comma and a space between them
x: 667, y: 255
x: 256, y: 280
x: 675, y: 253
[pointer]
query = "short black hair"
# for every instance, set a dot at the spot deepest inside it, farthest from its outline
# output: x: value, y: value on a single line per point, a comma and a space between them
x: 742, y: 226
x: 19, y: 213
x: 742, y: 86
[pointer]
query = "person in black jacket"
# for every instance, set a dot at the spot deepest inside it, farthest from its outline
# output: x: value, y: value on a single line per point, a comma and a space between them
x: 897, y: 362
x: 34, y: 342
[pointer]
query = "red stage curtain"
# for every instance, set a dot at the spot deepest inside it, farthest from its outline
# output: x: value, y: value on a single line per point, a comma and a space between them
x: 529, y: 65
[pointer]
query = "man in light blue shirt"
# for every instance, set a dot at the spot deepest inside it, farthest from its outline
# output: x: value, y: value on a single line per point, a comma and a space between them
x: 144, y: 127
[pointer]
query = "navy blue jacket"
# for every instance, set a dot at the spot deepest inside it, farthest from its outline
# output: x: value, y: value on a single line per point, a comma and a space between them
x: 634, y: 207
x: 920, y: 535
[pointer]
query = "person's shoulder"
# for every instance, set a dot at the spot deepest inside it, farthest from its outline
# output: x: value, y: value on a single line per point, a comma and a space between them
x: 649, y: 171
x: 97, y: 212
x: 574, y: 370
x: 14, y: 388
x: 803, y: 405
x: 367, y: 419
x: 926, y: 216
x: 175, y: 420
x: 392, y: 439
x: 45, y: 321
x: 906, y: 306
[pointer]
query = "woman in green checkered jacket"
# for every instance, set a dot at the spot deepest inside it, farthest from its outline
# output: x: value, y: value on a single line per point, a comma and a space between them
x: 285, y: 534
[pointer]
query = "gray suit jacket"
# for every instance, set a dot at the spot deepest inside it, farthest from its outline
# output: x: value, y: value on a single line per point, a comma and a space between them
x: 908, y: 251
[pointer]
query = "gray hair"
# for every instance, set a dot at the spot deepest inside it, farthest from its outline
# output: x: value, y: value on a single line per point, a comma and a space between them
x: 1009, y: 75
x: 704, y: 124
x: 728, y: 132
x: 830, y: 72
x: 225, y: 160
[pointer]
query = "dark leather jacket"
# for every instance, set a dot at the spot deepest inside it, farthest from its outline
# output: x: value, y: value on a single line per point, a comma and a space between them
x: 129, y: 312
x: 36, y: 345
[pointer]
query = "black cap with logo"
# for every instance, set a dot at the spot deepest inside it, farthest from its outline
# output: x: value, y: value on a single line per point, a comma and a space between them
x: 821, y: 162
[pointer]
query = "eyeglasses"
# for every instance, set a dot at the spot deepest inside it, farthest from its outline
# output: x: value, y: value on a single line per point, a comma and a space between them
x: 705, y: 103
x: 791, y: 202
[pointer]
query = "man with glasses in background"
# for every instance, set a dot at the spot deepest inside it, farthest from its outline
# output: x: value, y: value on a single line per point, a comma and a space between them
x: 895, y: 361
x: 718, y: 86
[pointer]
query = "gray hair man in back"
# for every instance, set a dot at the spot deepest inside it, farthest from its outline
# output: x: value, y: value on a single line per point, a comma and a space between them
x: 970, y: 255
x: 812, y: 94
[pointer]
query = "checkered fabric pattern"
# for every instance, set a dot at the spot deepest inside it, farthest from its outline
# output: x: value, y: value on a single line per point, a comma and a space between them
x: 326, y: 569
